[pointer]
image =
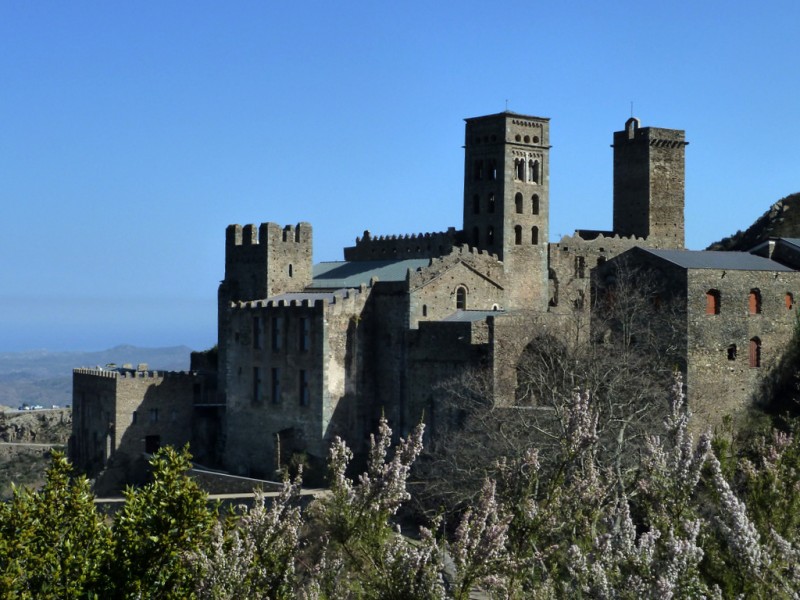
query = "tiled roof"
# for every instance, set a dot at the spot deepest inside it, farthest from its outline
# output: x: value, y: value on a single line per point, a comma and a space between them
x: 715, y: 259
x: 350, y: 274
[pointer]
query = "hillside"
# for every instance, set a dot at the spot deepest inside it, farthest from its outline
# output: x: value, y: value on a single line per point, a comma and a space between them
x: 45, y: 378
x: 781, y: 220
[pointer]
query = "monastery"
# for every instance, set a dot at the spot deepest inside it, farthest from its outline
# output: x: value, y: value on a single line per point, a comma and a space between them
x: 310, y: 351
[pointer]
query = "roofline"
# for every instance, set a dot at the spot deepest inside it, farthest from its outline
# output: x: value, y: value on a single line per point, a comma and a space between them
x: 506, y: 113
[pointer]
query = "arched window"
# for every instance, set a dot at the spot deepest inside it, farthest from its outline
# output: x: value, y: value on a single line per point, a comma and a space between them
x: 732, y: 352
x: 491, y: 203
x: 424, y: 310
x: 461, y: 298
x: 754, y: 301
x: 476, y: 204
x: 291, y: 271
x: 534, y: 235
x: 789, y: 300
x: 517, y: 234
x: 492, y: 169
x: 712, y: 302
x: 519, y: 170
x: 476, y: 236
x: 478, y: 171
x: 518, y: 203
x: 755, y: 352
x: 535, y: 204
x: 490, y: 235
x: 533, y: 170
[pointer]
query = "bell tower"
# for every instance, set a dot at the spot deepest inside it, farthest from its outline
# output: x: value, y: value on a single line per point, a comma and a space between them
x: 506, y: 199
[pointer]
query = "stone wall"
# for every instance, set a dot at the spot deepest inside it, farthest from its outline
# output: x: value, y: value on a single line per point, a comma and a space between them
x: 399, y: 247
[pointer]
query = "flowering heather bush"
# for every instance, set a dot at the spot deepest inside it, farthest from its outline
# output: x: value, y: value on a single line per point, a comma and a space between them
x: 681, y: 525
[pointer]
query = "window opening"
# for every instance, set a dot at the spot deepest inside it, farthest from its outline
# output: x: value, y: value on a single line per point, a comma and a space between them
x: 256, y: 384
x: 303, y: 383
x: 580, y: 267
x: 535, y: 204
x: 490, y: 235
x: 275, y: 385
x: 476, y: 204
x: 492, y: 169
x: 518, y: 235
x: 755, y: 352
x: 534, y: 235
x: 291, y: 273
x: 303, y: 334
x: 533, y: 167
x: 732, y: 352
x: 789, y: 300
x: 754, y: 302
x: 424, y: 310
x: 712, y: 302
x: 519, y: 170
x: 491, y: 203
x: 478, y: 170
x: 461, y: 298
x: 518, y: 203
x: 277, y: 324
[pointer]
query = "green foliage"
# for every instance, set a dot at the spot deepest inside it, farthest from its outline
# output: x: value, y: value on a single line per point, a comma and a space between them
x: 53, y: 543
x: 159, y: 525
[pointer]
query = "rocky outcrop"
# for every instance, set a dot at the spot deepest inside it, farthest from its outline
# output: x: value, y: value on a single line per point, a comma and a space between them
x: 781, y: 220
x: 36, y: 426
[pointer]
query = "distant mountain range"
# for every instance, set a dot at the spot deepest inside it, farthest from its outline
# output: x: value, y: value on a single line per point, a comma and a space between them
x: 43, y: 377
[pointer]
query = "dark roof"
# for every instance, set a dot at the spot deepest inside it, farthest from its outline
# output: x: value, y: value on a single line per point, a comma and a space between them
x: 792, y: 241
x: 350, y: 274
x: 716, y: 259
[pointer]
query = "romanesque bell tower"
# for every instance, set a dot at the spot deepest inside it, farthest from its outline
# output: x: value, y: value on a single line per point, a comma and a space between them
x: 506, y: 199
x: 649, y: 181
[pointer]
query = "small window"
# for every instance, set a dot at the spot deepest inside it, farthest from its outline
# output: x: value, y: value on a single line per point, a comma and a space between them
x: 490, y: 235
x: 518, y: 203
x: 424, y: 310
x: 712, y: 302
x: 754, y: 302
x: 275, y: 385
x: 277, y: 332
x: 256, y: 333
x: 478, y: 171
x: 755, y: 352
x: 153, y: 413
x: 134, y: 416
x: 490, y: 207
x: 492, y: 169
x: 534, y: 235
x: 461, y: 298
x: 519, y: 170
x: 303, y: 387
x: 518, y: 235
x: 789, y: 301
x: 256, y: 384
x: 732, y: 352
x: 533, y: 169
x: 304, y: 334
x: 291, y: 271
x: 535, y: 204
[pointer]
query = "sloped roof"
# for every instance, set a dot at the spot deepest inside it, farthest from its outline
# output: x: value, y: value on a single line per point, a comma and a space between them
x: 716, y: 259
x: 350, y: 274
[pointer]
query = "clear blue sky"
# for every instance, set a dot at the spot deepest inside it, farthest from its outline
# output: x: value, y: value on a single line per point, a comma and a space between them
x: 132, y: 133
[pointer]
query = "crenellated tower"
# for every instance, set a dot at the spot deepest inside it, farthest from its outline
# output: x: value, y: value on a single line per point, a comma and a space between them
x: 506, y: 199
x: 261, y: 262
x: 649, y: 182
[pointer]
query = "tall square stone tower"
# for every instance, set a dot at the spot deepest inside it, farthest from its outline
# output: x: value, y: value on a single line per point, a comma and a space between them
x: 506, y: 199
x: 649, y: 182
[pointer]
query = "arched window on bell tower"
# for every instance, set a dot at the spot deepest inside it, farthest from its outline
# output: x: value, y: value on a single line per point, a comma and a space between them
x: 461, y: 298
x: 533, y: 171
x: 518, y: 203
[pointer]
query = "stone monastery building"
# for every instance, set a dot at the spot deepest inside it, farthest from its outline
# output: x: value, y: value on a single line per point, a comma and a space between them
x: 307, y: 352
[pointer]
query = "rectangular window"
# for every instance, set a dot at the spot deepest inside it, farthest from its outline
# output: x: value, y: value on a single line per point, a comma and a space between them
x: 256, y: 333
x: 256, y: 384
x: 277, y: 332
x: 134, y: 416
x: 303, y: 334
x: 303, y: 384
x: 153, y: 415
x: 275, y: 385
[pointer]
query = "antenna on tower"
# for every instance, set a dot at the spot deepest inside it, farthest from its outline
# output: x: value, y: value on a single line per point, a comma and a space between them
x: 506, y: 103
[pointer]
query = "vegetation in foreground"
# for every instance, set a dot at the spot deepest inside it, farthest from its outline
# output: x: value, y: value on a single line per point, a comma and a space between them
x: 709, y: 519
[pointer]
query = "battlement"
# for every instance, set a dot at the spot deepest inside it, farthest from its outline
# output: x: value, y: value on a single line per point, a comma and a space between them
x: 599, y: 239
x: 269, y: 233
x: 415, y: 245
x: 341, y: 301
x: 122, y: 373
x: 487, y: 263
